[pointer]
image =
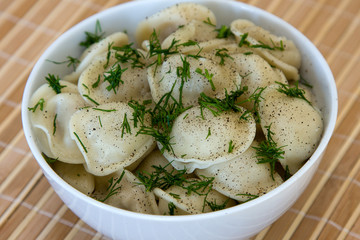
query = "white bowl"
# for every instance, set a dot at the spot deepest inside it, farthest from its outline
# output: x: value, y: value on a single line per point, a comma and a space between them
x: 238, y: 222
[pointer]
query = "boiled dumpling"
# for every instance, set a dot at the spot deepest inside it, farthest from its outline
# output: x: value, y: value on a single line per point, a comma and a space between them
x: 196, y: 31
x: 202, y: 142
x: 134, y: 85
x: 117, y: 39
x: 256, y: 73
x: 163, y: 78
x: 242, y: 177
x: 288, y: 60
x: 168, y: 20
x: 189, y: 203
x: 102, y: 137
x: 52, y: 122
x: 76, y: 176
x: 296, y: 125
x: 129, y: 194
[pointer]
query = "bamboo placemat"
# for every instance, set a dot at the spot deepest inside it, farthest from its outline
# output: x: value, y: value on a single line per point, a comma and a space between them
x: 29, y: 208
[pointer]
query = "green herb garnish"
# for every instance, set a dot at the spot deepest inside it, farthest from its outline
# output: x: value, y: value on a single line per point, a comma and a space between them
x: 113, y: 76
x: 71, y: 62
x: 216, y: 207
x: 293, y: 91
x: 49, y: 160
x: 269, y: 152
x: 92, y: 38
x: 54, y: 83
x: 113, y: 188
x: 78, y: 138
x: 172, y: 208
x: 231, y: 146
x: 207, y: 75
x: 92, y: 100
x: 128, y: 54
x: 54, y: 124
x: 224, y: 32
x: 222, y: 53
x: 40, y: 104
x: 125, y: 126
x: 251, y: 196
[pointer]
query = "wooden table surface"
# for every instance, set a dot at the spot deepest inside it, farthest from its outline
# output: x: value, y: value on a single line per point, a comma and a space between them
x: 29, y: 208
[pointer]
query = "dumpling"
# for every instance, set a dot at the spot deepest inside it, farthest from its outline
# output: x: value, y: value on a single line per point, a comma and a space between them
x: 182, y: 202
x: 104, y: 139
x: 296, y: 125
x: 168, y: 20
x: 242, y: 177
x: 202, y: 142
x: 288, y: 60
x: 127, y: 193
x: 132, y: 85
x: 256, y: 73
x: 117, y: 39
x: 52, y: 122
x: 196, y: 31
x: 76, y: 176
x: 163, y: 78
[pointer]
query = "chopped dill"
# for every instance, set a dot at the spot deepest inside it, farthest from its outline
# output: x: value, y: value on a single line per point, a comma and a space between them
x: 250, y: 196
x: 209, y: 133
x: 92, y: 38
x: 78, y: 138
x: 293, y: 91
x: 208, y: 76
x: 96, y: 84
x: 231, y: 146
x: 49, y: 160
x: 54, y: 83
x: 223, y: 32
x: 208, y: 21
x: 71, y: 62
x: 92, y: 100
x: 125, y: 126
x: 104, y: 110
x: 269, y: 152
x: 113, y: 188
x: 172, y: 208
x: 222, y: 53
x: 54, y: 124
x: 128, y: 54
x: 113, y: 76
x: 216, y: 207
x: 39, y: 104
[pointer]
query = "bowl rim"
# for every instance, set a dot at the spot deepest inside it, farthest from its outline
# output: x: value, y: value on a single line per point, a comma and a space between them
x: 47, y: 170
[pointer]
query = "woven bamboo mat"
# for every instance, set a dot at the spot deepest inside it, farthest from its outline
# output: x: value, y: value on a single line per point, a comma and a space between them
x: 29, y: 208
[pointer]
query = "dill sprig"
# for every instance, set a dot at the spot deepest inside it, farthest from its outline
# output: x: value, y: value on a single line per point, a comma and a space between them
x: 216, y: 207
x: 155, y: 49
x: 250, y: 196
x: 54, y: 83
x: 39, y: 104
x: 125, y: 126
x: 256, y: 98
x: 293, y: 91
x: 244, y: 42
x: 269, y: 152
x: 113, y: 187
x: 54, y: 124
x: 207, y: 75
x: 139, y: 111
x: 92, y: 38
x: 113, y: 76
x: 71, y: 62
x: 217, y: 106
x: 48, y: 159
x: 128, y: 54
x: 224, y: 32
x: 222, y: 53
x: 231, y: 146
x: 172, y: 208
x: 81, y: 143
x: 208, y: 21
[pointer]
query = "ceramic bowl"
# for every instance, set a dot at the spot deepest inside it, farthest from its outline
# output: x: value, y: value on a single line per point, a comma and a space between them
x: 238, y: 222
